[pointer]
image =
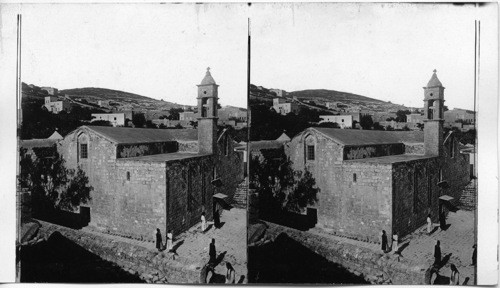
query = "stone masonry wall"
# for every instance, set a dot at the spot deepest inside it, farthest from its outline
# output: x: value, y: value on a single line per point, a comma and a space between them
x: 362, y: 207
x: 374, y: 267
x: 348, y: 208
x: 150, y: 265
x: 410, y: 210
x: 456, y: 169
x: 99, y: 166
x: 369, y: 151
x: 192, y: 174
x: 135, y: 150
x: 229, y: 168
x: 134, y: 206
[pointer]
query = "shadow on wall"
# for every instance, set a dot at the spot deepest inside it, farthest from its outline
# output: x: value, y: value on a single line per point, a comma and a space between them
x: 287, y: 261
x: 65, y: 218
x: 297, y: 221
x: 60, y: 260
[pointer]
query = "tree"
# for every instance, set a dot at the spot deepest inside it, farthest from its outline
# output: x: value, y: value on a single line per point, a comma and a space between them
x: 377, y: 126
x: 329, y: 125
x: 150, y: 124
x: 279, y: 186
x: 174, y: 113
x: 101, y: 123
x: 405, y: 128
x: 366, y: 122
x: 139, y: 120
x: 51, y: 184
x: 178, y: 126
x: 389, y: 128
x: 420, y: 126
x: 193, y: 124
x: 401, y: 115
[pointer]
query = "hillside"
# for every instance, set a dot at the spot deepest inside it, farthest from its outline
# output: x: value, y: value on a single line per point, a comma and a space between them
x: 332, y: 95
x: 318, y: 99
x: 119, y: 99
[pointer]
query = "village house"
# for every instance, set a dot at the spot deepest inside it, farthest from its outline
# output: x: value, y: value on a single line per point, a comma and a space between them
x: 344, y: 121
x: 281, y: 106
x: 116, y: 119
x: 52, y: 104
x: 145, y: 179
x: 371, y: 181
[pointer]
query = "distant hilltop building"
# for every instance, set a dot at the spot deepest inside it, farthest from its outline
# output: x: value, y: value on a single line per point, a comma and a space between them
x: 415, y: 118
x: 344, y: 121
x: 145, y: 179
x: 116, y: 119
x: 187, y: 116
x: 279, y: 92
x: 50, y: 90
x: 283, y: 107
x: 462, y: 116
x: 52, y: 104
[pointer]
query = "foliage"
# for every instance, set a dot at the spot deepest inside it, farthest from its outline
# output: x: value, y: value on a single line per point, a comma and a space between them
x: 467, y: 137
x: 39, y: 123
x: 150, y: 124
x: 139, y: 120
x: 366, y: 122
x: 420, y: 126
x: 405, y: 128
x: 401, y: 115
x: 377, y: 126
x: 329, y: 125
x: 101, y: 123
x: 178, y: 126
x: 76, y: 192
x: 389, y: 128
x: 51, y: 184
x: 279, y: 186
x: 174, y: 113
x: 269, y: 125
x: 193, y: 124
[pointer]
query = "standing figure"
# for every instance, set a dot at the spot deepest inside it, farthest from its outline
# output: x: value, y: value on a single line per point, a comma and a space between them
x: 474, y: 255
x: 211, y: 252
x: 455, y: 275
x: 203, y: 222
x: 442, y: 221
x: 395, y: 247
x: 384, y: 241
x: 429, y: 224
x: 159, y: 244
x: 170, y: 237
x: 216, y: 218
x: 437, y: 253
x: 230, y: 274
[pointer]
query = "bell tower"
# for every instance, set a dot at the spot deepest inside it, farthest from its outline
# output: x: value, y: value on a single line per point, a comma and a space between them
x: 433, y: 116
x: 207, y: 114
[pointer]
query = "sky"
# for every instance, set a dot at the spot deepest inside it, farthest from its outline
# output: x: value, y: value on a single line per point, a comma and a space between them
x: 383, y: 51
x: 155, y: 50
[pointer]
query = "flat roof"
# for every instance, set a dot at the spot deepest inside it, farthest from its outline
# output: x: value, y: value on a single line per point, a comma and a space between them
x: 390, y: 159
x: 165, y: 157
x: 355, y: 137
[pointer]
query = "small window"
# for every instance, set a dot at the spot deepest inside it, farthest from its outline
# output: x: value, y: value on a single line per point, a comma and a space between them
x: 354, y: 177
x: 128, y: 176
x: 310, y: 152
x: 342, y: 120
x: 83, y: 151
x: 115, y: 118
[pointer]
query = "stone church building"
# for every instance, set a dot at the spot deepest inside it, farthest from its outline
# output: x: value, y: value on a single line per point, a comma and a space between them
x: 145, y: 179
x: 383, y: 180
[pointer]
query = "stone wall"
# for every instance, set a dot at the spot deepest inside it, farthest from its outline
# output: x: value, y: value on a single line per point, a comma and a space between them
x: 374, y: 267
x: 229, y: 168
x: 184, y: 208
x: 369, y: 151
x: 359, y: 210
x: 410, y: 210
x: 143, y: 149
x: 148, y: 264
x: 362, y: 205
x: 414, y: 148
x: 456, y: 169
x: 134, y: 204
